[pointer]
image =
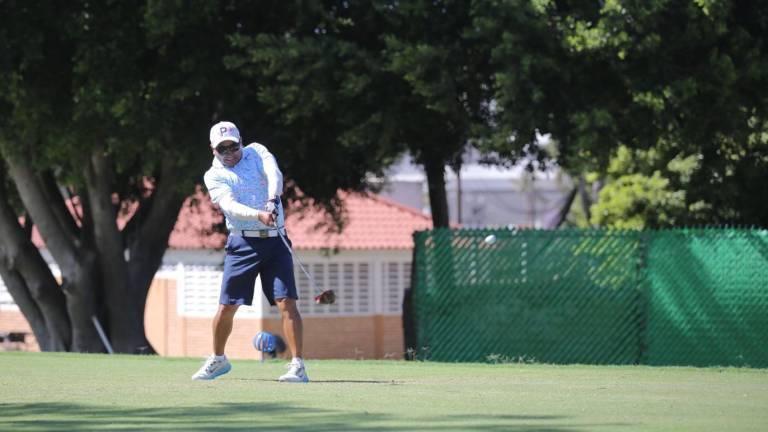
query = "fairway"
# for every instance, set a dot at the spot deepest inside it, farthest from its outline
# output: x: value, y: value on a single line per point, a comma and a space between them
x: 63, y: 392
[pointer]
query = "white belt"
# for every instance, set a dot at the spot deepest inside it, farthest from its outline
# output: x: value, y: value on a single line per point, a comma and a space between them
x: 258, y: 233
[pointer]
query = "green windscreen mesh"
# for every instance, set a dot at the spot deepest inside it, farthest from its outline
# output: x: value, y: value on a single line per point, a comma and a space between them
x: 592, y: 296
x: 708, y: 298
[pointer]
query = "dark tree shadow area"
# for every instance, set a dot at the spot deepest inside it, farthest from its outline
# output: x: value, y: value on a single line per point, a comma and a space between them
x: 257, y: 416
x: 332, y: 381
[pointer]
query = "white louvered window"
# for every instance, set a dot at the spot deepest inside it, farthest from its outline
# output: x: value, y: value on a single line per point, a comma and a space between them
x: 305, y: 291
x: 333, y: 283
x: 201, y: 285
x: 406, y: 286
x: 349, y: 281
x: 397, y: 277
x: 346, y: 294
x: 318, y: 272
x: 6, y: 301
x: 364, y: 303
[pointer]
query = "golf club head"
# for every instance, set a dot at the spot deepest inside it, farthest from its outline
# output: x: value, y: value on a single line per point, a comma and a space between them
x: 325, y: 297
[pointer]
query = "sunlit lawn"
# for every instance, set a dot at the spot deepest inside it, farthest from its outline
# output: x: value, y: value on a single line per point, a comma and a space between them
x: 41, y: 392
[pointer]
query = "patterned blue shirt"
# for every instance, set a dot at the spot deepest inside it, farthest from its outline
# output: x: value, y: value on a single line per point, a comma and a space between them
x: 251, y: 182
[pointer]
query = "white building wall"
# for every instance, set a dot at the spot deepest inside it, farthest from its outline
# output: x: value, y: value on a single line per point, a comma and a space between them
x: 365, y: 283
x: 490, y: 195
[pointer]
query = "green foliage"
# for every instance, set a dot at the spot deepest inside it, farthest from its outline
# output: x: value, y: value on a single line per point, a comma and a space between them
x: 541, y: 86
x: 339, y: 89
x: 320, y: 96
x: 352, y: 86
x: 686, y: 79
x: 433, y: 50
x: 636, y: 201
x: 699, y: 87
x: 138, y: 81
x: 645, y: 190
x: 83, y: 78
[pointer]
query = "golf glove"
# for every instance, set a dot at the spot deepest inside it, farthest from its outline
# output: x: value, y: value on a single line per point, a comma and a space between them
x: 272, y: 205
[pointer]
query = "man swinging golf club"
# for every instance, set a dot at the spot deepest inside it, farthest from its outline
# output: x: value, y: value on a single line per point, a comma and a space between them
x: 246, y: 184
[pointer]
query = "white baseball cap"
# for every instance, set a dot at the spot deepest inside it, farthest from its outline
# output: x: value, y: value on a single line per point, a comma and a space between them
x: 224, y: 131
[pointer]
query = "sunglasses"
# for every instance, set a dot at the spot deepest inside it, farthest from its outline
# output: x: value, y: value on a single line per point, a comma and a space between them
x: 227, y: 149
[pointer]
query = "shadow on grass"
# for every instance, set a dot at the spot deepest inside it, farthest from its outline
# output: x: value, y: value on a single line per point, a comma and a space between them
x: 314, y: 381
x: 257, y: 416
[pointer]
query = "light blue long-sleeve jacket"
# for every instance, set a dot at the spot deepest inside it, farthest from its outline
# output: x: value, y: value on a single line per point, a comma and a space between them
x: 251, y: 182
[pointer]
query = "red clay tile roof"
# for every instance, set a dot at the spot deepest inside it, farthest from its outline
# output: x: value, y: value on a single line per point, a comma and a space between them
x: 371, y: 222
x: 193, y: 229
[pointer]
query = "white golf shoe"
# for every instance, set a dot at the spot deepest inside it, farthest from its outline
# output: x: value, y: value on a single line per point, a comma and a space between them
x: 296, y: 373
x: 212, y: 369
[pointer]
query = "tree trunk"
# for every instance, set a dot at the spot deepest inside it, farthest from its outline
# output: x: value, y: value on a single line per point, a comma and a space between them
x: 99, y: 278
x: 77, y: 266
x: 586, y: 199
x: 38, y: 296
x: 562, y: 213
x: 147, y: 247
x: 122, y: 316
x: 31, y: 284
x: 80, y: 285
x: 27, y: 305
x: 438, y: 201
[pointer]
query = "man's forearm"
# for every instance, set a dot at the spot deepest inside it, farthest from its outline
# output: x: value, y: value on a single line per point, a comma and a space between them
x: 238, y: 210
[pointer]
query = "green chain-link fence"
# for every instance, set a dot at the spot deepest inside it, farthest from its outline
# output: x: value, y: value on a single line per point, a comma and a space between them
x: 674, y: 297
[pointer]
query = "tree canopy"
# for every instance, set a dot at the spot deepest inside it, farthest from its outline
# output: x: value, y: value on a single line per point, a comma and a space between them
x: 105, y: 109
x: 682, y: 80
x: 373, y: 79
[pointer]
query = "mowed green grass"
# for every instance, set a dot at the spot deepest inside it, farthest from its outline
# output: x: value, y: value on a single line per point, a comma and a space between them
x: 65, y: 392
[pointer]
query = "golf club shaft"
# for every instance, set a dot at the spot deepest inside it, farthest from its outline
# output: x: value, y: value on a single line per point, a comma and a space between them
x: 295, y: 258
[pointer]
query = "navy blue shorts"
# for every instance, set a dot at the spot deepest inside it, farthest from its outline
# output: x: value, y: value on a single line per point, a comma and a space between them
x: 248, y: 257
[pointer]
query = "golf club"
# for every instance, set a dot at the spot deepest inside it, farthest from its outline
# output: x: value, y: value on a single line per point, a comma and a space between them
x: 321, y: 296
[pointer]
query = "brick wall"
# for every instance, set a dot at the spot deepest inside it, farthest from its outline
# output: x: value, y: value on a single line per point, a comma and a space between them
x: 14, y: 321
x: 353, y: 337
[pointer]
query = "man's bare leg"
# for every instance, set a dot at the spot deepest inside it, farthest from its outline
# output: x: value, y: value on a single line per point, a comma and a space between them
x: 218, y: 364
x: 222, y: 327
x: 294, y: 334
x: 292, y: 325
